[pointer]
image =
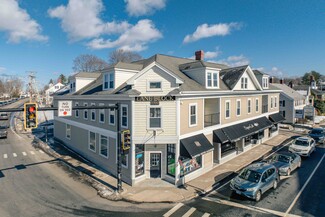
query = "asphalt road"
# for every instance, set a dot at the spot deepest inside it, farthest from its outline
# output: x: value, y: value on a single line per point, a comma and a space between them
x: 301, y: 194
x: 33, y: 184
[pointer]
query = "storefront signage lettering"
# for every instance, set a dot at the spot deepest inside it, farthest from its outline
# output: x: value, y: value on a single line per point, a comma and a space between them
x: 250, y: 126
x: 154, y: 98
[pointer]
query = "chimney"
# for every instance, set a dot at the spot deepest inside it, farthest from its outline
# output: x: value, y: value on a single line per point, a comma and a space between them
x: 59, y: 80
x: 291, y: 84
x: 199, y: 55
x: 281, y: 81
x: 271, y: 80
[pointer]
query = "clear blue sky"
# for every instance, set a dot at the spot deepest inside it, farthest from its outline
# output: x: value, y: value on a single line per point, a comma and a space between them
x: 281, y: 37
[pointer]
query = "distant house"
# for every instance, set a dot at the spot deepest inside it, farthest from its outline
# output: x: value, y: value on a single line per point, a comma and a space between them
x: 319, y: 94
x: 291, y: 103
x: 81, y: 80
x: 306, y: 91
x: 51, y: 90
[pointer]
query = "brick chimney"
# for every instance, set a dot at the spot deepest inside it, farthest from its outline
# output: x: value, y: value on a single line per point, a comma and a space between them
x: 291, y: 84
x: 271, y: 80
x: 281, y: 80
x: 199, y: 55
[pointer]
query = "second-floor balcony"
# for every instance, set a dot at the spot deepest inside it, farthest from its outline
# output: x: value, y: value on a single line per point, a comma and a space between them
x: 211, y: 119
x: 265, y: 108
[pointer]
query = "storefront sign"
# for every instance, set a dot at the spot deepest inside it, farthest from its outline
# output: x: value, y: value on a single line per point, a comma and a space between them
x: 154, y: 100
x: 299, y: 114
x: 309, y: 111
x: 250, y: 126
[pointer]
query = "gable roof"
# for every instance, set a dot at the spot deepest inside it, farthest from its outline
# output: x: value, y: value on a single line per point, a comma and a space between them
x: 231, y: 75
x: 289, y: 91
x: 87, y: 75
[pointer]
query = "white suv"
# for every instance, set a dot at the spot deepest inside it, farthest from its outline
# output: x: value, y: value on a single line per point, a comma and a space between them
x: 303, y: 146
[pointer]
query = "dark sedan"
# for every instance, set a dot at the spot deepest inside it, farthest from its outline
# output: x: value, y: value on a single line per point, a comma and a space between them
x: 318, y: 134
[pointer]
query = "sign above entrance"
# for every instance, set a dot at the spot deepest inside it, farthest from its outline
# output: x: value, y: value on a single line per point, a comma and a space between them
x: 154, y: 100
x: 64, y: 108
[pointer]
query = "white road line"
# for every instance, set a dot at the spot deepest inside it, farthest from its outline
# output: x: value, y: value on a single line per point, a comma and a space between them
x: 247, y: 207
x: 5, y: 156
x: 172, y: 210
x: 206, y: 214
x: 41, y: 151
x: 189, y: 212
x: 24, y: 153
x: 277, y: 150
x: 32, y: 152
x: 14, y: 154
x: 303, y: 187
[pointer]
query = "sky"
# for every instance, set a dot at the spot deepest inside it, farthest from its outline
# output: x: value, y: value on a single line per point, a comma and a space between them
x: 284, y: 38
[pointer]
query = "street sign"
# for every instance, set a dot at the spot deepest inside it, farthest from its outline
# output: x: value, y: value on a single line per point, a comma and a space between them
x: 65, y: 108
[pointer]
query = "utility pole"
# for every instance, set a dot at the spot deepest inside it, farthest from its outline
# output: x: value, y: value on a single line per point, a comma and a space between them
x: 119, y: 154
x: 31, y: 85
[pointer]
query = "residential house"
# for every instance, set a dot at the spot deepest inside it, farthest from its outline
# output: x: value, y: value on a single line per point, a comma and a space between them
x: 185, y: 116
x: 51, y: 90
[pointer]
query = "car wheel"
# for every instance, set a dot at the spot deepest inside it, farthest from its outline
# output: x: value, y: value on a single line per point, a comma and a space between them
x: 288, y: 172
x: 258, y: 195
x: 275, y: 184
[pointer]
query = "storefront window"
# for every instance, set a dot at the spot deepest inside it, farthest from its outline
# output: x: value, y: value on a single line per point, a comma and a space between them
x: 171, y: 159
x: 228, y: 148
x: 189, y: 165
x: 139, y: 160
x: 248, y: 140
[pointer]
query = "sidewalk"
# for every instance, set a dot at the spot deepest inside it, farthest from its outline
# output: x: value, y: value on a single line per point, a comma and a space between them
x: 156, y: 190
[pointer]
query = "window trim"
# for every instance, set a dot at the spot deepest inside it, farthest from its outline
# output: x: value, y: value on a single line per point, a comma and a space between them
x: 148, y: 118
x: 101, y: 111
x: 149, y: 89
x: 109, y: 115
x: 85, y: 110
x: 89, y: 141
x: 244, y: 83
x: 249, y: 106
x: 92, y: 111
x: 238, y: 100
x: 66, y: 130
x: 212, y: 80
x: 127, y: 114
x: 257, y: 106
x: 275, y: 102
x: 100, y: 146
x: 189, y: 114
x: 227, y: 101
x: 108, y: 81
x: 272, y: 99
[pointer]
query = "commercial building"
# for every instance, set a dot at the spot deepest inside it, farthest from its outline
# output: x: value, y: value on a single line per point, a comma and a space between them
x: 185, y: 116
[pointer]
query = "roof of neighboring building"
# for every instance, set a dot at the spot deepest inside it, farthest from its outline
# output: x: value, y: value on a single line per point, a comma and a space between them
x: 199, y: 64
x: 318, y: 92
x: 231, y: 75
x: 300, y: 87
x: 258, y: 72
x: 87, y: 75
x: 289, y: 91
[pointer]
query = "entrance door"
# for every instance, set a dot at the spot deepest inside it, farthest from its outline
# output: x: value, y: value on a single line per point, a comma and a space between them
x: 155, y: 165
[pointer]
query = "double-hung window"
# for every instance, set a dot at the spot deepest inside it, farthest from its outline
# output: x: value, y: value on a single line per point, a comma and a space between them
x: 124, y: 116
x: 155, y: 117
x: 275, y: 102
x: 85, y: 111
x: 76, y: 112
x: 111, y: 116
x: 271, y: 102
x: 244, y: 83
x: 101, y: 114
x: 249, y: 106
x: 215, y: 80
x: 256, y: 105
x: 209, y: 79
x: 105, y: 81
x: 109, y: 81
x: 265, y: 83
x: 227, y: 109
x: 93, y: 113
x: 193, y: 114
x: 92, y: 141
x: 103, y: 146
x: 212, y: 79
x: 238, y: 108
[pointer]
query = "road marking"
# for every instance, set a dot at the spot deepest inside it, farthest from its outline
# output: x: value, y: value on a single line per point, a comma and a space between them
x: 206, y: 214
x: 32, y: 152
x: 12, y: 124
x: 14, y: 154
x: 41, y: 151
x: 303, y: 187
x: 172, y: 210
x: 247, y: 207
x: 24, y: 153
x: 5, y: 156
x: 189, y: 212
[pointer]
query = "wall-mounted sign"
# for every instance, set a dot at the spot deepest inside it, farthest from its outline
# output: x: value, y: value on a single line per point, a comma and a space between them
x: 154, y: 100
x: 64, y: 108
x: 299, y: 113
x: 309, y: 111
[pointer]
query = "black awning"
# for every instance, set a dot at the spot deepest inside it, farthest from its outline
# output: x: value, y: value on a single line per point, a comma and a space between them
x: 195, y: 145
x: 276, y: 118
x: 241, y: 130
x: 219, y: 136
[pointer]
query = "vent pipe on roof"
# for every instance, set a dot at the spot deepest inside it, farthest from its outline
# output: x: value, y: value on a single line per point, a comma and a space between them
x: 199, y: 55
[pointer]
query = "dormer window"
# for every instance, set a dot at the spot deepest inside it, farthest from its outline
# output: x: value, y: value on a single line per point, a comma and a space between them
x: 109, y: 81
x: 154, y: 86
x: 244, y: 83
x: 212, y: 79
x: 265, y: 83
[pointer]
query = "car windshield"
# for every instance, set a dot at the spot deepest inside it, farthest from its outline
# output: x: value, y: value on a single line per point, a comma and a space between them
x: 3, y: 127
x: 301, y: 142
x: 316, y: 131
x: 250, y: 175
x: 283, y: 158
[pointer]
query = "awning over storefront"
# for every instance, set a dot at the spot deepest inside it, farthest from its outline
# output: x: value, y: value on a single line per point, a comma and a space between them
x: 276, y: 118
x: 195, y: 146
x: 238, y: 131
x: 219, y: 136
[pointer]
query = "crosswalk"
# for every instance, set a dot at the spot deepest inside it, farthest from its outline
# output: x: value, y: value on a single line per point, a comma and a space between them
x: 24, y: 153
x: 182, y: 210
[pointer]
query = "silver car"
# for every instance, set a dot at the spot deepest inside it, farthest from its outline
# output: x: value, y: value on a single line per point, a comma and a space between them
x: 303, y: 146
x: 255, y: 179
x: 286, y: 162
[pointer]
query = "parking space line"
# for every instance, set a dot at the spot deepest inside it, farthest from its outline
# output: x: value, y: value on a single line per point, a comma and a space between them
x: 41, y: 151
x: 206, y: 214
x: 189, y: 212
x: 303, y: 187
x: 32, y: 152
x: 172, y: 210
x: 248, y: 207
x: 5, y: 156
x: 24, y: 153
x: 14, y: 154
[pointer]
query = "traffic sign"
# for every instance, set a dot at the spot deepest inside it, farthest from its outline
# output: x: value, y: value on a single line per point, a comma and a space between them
x: 65, y: 108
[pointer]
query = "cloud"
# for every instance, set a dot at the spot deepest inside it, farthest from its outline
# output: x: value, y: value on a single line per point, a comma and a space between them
x: 206, y: 31
x: 18, y: 24
x: 80, y: 19
x: 235, y: 61
x: 133, y: 39
x: 2, y: 69
x: 143, y: 7
x: 275, y: 71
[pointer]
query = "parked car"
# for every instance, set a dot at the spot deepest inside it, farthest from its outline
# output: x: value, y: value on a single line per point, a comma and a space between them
x: 303, y: 146
x: 318, y: 134
x: 3, y: 116
x: 285, y: 162
x: 3, y: 131
x: 255, y: 179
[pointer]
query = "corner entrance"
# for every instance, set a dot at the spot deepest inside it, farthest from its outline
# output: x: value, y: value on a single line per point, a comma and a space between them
x: 155, y: 165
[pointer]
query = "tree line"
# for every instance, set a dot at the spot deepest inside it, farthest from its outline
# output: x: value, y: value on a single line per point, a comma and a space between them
x: 11, y: 87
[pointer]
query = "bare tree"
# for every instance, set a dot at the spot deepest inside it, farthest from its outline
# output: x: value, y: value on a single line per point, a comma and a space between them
x: 88, y: 63
x: 121, y: 55
x: 13, y: 86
